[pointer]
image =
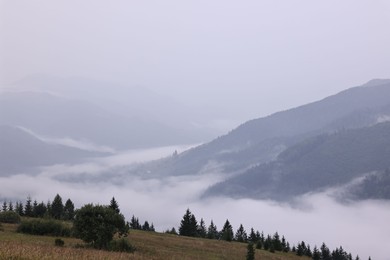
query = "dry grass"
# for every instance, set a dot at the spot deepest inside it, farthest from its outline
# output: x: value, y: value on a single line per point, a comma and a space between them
x: 149, y: 245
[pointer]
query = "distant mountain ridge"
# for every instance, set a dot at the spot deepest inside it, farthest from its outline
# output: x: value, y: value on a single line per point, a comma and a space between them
x: 259, y: 142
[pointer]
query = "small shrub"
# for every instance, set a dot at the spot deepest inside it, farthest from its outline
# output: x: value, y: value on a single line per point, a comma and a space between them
x: 44, y: 227
x: 59, y: 242
x: 9, y: 217
x: 121, y: 245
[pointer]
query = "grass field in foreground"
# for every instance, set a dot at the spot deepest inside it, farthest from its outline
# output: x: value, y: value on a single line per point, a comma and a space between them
x: 149, y: 245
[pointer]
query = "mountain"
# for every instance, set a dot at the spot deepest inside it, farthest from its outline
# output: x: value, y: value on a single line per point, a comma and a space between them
x: 261, y: 140
x: 20, y: 151
x: 60, y: 117
x: 323, y: 161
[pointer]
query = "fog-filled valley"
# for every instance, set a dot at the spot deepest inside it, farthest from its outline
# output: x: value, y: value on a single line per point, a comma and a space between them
x: 271, y: 114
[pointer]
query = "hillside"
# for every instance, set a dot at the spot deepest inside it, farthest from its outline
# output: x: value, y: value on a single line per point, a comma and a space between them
x: 21, y: 151
x: 149, y: 245
x: 320, y: 162
x: 262, y: 140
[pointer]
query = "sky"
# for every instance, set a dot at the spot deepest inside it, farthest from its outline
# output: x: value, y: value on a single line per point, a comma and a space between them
x: 249, y: 57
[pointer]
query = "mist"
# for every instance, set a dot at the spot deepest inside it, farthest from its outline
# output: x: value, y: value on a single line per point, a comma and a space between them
x: 360, y: 227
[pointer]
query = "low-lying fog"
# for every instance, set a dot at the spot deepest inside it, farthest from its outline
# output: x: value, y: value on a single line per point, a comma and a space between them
x: 360, y: 227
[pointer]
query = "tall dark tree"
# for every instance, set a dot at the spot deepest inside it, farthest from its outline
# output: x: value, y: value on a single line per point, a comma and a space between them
x: 57, y: 207
x: 202, y: 232
x: 114, y: 205
x: 325, y: 252
x: 227, y: 231
x: 241, y: 235
x: 69, y: 210
x: 250, y: 254
x: 10, y: 206
x: 276, y: 242
x: 19, y: 208
x: 40, y: 210
x: 252, y: 236
x: 267, y: 243
x: 316, y: 254
x: 188, y: 225
x: 34, y: 208
x: 134, y: 223
x: 212, y: 231
x: 146, y: 226
x: 28, y: 210
x: 5, y: 207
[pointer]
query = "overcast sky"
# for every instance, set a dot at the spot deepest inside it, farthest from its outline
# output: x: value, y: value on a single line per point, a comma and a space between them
x: 258, y: 56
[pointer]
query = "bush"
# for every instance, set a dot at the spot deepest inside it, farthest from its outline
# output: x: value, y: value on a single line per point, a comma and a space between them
x: 44, y: 227
x: 59, y: 242
x: 9, y: 217
x: 121, y: 245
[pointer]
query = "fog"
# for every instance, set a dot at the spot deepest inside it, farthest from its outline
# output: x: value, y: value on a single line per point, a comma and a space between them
x: 360, y: 227
x: 248, y: 58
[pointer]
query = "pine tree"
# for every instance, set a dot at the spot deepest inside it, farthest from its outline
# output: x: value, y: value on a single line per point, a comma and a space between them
x: 10, y: 206
x: 316, y: 254
x: 212, y: 231
x: 28, y: 208
x: 276, y: 242
x: 202, y: 229
x: 325, y: 252
x: 146, y: 226
x: 19, y: 208
x: 252, y: 236
x: 69, y: 210
x: 134, y: 223
x: 227, y: 231
x: 152, y: 229
x: 34, y: 208
x: 114, y: 205
x: 188, y: 225
x: 40, y: 210
x: 5, y: 207
x: 250, y: 255
x: 57, y: 208
x: 241, y: 235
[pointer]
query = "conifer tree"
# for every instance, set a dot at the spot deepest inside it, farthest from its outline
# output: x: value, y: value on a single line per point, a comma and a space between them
x: 134, y: 223
x: 241, y: 235
x: 69, y: 210
x: 19, y: 208
x: 202, y: 229
x: 252, y: 236
x: 57, y: 208
x: 212, y: 231
x: 227, y: 231
x: 34, y: 208
x: 188, y: 225
x: 250, y: 254
x: 28, y: 208
x: 10, y: 206
x: 316, y: 254
x: 276, y: 242
x: 146, y: 226
x: 114, y: 205
x: 40, y: 210
x: 5, y: 207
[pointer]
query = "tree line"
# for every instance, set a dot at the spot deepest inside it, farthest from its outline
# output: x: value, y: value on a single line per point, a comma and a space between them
x: 189, y: 226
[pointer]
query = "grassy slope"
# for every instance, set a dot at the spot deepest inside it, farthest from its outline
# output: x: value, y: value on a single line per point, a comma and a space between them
x: 149, y: 245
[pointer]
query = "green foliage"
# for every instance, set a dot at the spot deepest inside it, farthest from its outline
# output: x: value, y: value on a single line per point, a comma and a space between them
x: 250, y: 255
x: 241, y: 235
x: 97, y: 225
x: 28, y: 209
x: 188, y: 225
x: 114, y: 205
x: 227, y: 232
x: 212, y: 231
x: 43, y: 227
x: 57, y: 208
x: 121, y: 245
x: 68, y: 210
x: 9, y: 217
x: 202, y: 229
x: 59, y: 242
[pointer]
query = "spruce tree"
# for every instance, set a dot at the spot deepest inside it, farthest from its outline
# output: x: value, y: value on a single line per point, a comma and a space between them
x: 316, y: 254
x: 40, y: 210
x: 325, y: 252
x: 10, y: 206
x: 241, y: 235
x: 28, y: 208
x: 252, y: 236
x: 34, y: 208
x: 212, y: 231
x: 146, y: 226
x: 276, y: 242
x: 69, y: 210
x: 114, y: 205
x: 5, y: 207
x: 57, y: 208
x: 188, y: 225
x: 250, y: 254
x: 202, y: 229
x: 227, y: 231
x: 19, y: 208
x: 134, y: 223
